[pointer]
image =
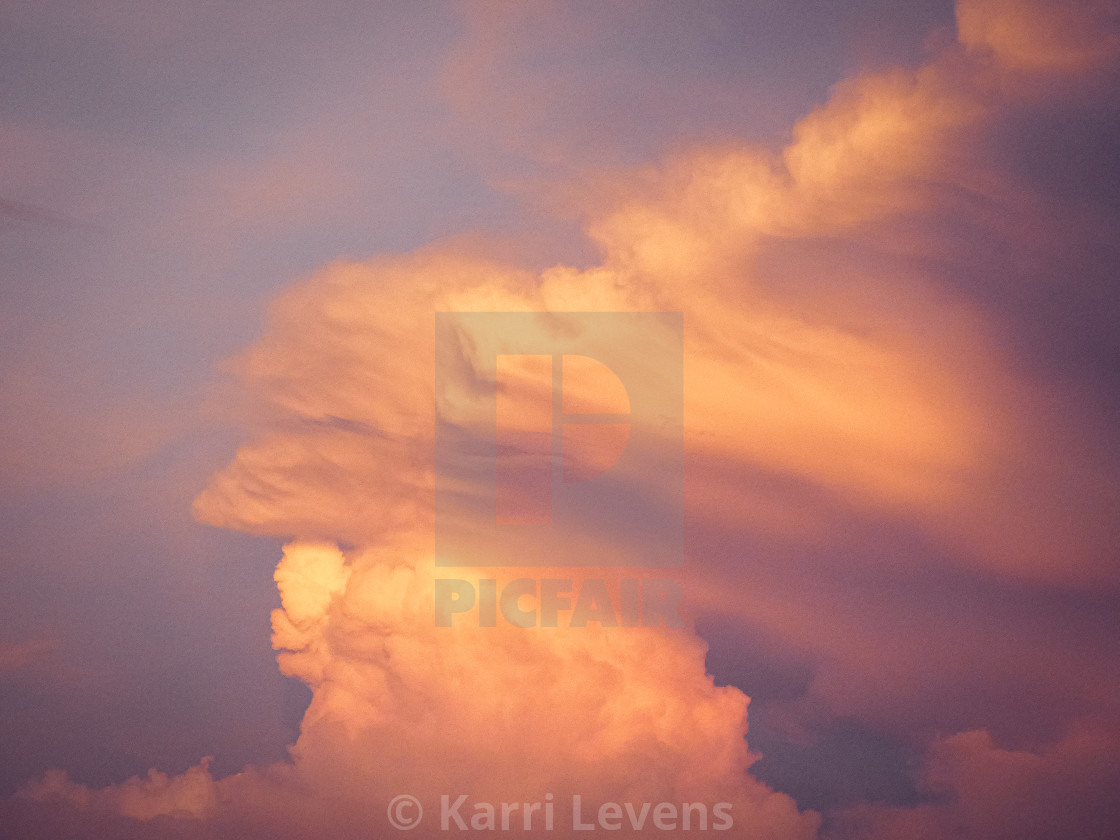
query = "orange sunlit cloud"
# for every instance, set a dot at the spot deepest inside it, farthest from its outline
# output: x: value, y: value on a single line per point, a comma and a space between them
x: 836, y: 392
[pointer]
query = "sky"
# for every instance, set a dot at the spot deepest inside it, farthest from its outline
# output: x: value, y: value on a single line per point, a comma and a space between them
x: 890, y: 230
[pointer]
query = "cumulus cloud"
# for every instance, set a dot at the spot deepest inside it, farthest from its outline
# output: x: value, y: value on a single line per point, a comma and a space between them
x: 981, y: 790
x: 190, y: 794
x: 501, y: 714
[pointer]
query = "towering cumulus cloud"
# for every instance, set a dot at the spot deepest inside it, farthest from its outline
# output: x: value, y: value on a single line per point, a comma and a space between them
x: 832, y: 362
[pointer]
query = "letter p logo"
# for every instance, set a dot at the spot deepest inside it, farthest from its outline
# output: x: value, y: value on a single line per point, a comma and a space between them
x: 558, y: 439
x: 594, y: 422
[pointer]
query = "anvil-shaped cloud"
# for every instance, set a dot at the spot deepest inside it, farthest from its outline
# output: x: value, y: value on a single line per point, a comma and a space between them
x: 841, y: 383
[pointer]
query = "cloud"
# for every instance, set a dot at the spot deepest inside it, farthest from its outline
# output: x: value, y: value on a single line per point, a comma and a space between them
x: 1041, y: 35
x: 983, y: 791
x: 851, y: 415
x: 190, y: 794
x: 17, y: 655
x: 358, y: 627
x: 403, y: 706
x: 13, y: 213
